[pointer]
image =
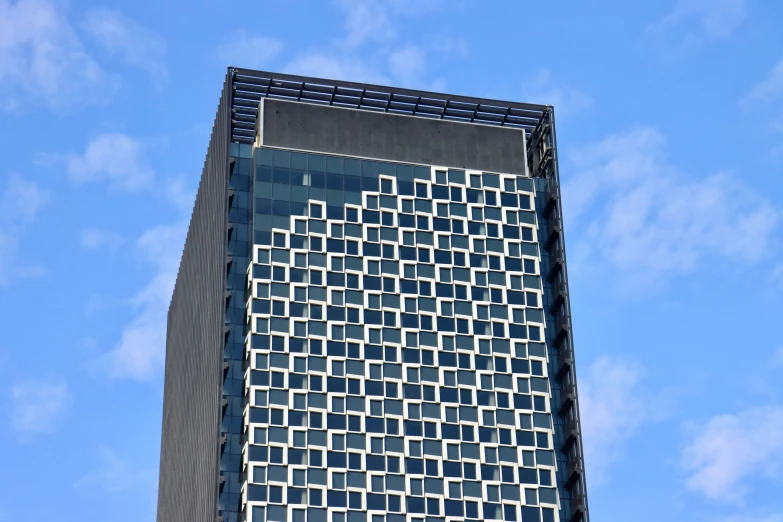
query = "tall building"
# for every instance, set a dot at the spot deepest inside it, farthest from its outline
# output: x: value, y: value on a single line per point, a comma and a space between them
x: 371, y: 319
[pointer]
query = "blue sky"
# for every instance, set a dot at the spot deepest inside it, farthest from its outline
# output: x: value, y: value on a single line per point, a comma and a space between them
x: 670, y: 130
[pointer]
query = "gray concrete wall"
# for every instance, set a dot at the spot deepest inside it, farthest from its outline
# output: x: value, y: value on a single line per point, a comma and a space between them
x: 189, y: 454
x: 391, y: 137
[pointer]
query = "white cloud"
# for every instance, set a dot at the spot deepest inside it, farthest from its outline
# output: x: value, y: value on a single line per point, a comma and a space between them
x: 769, y: 89
x: 97, y: 238
x: 136, y: 45
x: 546, y: 90
x: 366, y: 20
x: 114, y: 474
x: 407, y: 65
x: 755, y: 517
x: 42, y: 57
x: 612, y: 408
x: 375, y: 20
x: 38, y: 405
x: 729, y: 451
x: 19, y: 204
x: 249, y: 51
x: 649, y: 220
x: 713, y: 18
x: 115, y: 158
x: 328, y: 65
x: 140, y: 352
x: 450, y: 46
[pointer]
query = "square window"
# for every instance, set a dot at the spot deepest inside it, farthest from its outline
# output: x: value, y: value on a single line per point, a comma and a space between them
x: 531, y: 299
x: 527, y: 234
x: 376, y: 445
x: 338, y: 480
x: 337, y: 297
x: 338, y: 368
x: 316, y: 211
x: 407, y: 206
x: 315, y: 497
x: 442, y: 209
x: 337, y: 231
x: 387, y: 219
x: 421, y: 190
x: 447, y: 309
x: 493, y: 493
x: 440, y: 177
x: 376, y: 408
x: 414, y: 448
x: 386, y: 186
x: 372, y: 202
x: 351, y: 214
x: 337, y: 264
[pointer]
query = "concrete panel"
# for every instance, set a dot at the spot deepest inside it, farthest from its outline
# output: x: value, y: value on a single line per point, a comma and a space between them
x: 391, y: 137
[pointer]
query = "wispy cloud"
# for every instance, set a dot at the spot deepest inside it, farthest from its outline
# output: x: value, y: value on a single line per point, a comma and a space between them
x: 98, y: 238
x: 115, y: 158
x: 43, y: 58
x: 612, y: 408
x: 369, y: 49
x: 20, y: 203
x: 545, y: 89
x: 408, y: 64
x: 114, y: 474
x: 249, y: 51
x: 769, y: 89
x: 729, y: 452
x: 327, y: 65
x: 38, y: 405
x: 755, y: 516
x: 140, y: 352
x: 366, y: 20
x: 700, y: 19
x: 135, y: 44
x: 650, y: 221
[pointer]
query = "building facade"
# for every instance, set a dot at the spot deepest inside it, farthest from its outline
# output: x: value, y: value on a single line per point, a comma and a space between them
x: 371, y: 319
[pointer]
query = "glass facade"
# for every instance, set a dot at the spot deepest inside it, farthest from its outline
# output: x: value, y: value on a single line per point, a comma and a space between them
x: 389, y: 358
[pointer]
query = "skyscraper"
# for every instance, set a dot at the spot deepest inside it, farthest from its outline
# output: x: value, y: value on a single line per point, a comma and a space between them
x: 371, y: 319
